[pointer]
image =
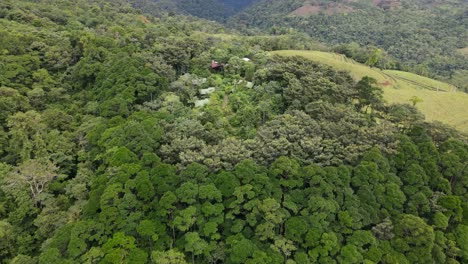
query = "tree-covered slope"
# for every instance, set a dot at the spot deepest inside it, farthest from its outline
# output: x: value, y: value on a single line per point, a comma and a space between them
x: 425, y: 34
x: 218, y: 10
x: 108, y: 155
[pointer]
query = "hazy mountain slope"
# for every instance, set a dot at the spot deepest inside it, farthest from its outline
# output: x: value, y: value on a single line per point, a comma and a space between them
x: 219, y: 10
x: 237, y: 4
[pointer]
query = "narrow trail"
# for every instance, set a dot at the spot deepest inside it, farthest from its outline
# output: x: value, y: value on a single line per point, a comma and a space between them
x: 429, y: 87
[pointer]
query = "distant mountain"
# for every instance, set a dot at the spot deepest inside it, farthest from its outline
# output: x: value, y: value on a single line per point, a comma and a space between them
x: 267, y: 10
x: 237, y: 4
x: 428, y: 33
x: 218, y: 10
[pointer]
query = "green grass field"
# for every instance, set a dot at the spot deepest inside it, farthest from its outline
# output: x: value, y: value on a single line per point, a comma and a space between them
x: 441, y: 101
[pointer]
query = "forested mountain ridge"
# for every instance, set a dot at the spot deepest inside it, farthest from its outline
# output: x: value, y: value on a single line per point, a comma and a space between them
x: 219, y: 10
x: 424, y: 36
x: 120, y: 144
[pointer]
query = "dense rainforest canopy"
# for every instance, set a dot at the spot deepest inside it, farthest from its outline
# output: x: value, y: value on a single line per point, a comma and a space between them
x: 119, y: 144
x: 218, y: 10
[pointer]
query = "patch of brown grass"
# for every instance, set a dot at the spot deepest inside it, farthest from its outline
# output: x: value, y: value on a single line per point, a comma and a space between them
x: 307, y: 10
x: 463, y: 51
x: 338, y: 9
x: 386, y: 83
x: 144, y: 19
x: 329, y: 9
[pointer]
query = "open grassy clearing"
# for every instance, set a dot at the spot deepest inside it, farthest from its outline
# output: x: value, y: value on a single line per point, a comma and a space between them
x: 441, y: 101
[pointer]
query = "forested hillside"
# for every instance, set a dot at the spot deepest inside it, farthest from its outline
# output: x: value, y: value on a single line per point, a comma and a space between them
x: 424, y: 36
x: 218, y: 10
x: 129, y: 138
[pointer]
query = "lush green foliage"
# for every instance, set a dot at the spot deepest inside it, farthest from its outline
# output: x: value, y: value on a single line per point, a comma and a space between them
x: 106, y: 159
x: 218, y: 10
